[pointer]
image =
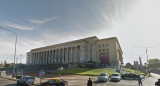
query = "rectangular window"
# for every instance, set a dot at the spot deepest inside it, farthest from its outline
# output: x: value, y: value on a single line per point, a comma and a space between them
x: 107, y: 44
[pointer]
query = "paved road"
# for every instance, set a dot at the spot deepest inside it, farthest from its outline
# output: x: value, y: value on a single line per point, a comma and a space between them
x: 77, y: 80
x: 6, y: 82
x: 150, y: 81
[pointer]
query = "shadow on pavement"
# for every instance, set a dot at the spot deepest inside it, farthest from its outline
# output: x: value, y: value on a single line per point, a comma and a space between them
x: 12, y: 85
x: 98, y: 82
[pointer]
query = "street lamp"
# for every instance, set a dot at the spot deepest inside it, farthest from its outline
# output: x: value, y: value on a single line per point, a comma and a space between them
x: 145, y: 49
x: 15, y: 45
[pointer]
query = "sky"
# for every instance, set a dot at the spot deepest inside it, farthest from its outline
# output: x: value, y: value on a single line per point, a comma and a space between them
x: 40, y: 23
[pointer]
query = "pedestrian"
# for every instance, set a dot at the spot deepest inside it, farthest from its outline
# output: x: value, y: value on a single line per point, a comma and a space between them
x: 139, y: 80
x: 89, y: 83
x: 157, y: 83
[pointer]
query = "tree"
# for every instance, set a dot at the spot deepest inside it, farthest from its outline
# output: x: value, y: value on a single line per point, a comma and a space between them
x: 154, y: 63
x: 128, y: 65
x: 5, y: 62
x: 7, y: 65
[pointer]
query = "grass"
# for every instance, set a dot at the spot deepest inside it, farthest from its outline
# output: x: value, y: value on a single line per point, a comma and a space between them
x: 86, y: 71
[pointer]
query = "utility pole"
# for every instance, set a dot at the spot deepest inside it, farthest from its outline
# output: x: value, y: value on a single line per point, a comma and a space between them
x: 147, y: 55
x: 15, y: 47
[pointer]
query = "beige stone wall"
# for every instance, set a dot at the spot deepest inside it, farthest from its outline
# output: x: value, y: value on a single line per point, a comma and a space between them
x: 87, y: 49
x: 107, y: 46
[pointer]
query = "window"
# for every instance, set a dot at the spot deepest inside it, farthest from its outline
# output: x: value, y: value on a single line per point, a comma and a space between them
x: 107, y: 44
x: 99, y: 50
x: 103, y: 50
x: 107, y: 50
x: 99, y: 45
x: 103, y: 45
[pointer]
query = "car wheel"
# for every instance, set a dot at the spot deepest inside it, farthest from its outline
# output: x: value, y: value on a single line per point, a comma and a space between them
x: 24, y: 84
x: 66, y: 84
x: 17, y: 82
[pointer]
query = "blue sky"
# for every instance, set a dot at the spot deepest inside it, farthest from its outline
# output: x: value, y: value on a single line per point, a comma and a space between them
x: 41, y: 23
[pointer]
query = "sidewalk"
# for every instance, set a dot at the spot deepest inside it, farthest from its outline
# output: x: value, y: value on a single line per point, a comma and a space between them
x: 150, y: 81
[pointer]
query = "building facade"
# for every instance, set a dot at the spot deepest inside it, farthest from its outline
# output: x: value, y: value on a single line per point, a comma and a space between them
x: 100, y: 51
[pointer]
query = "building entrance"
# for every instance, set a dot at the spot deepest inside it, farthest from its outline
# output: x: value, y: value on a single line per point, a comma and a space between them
x: 104, y: 58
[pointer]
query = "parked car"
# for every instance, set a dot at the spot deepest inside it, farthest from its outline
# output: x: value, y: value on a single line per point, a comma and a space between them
x: 103, y: 77
x: 130, y: 75
x: 55, y: 82
x: 116, y: 77
x: 26, y: 80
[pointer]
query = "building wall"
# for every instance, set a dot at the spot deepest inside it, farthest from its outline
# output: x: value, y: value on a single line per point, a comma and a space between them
x: 110, y: 47
x: 84, y: 50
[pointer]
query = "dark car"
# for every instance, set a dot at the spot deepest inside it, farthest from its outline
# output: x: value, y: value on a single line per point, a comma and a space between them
x: 55, y: 82
x: 130, y: 75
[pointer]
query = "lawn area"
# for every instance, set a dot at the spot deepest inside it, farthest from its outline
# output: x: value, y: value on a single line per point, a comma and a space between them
x: 86, y: 71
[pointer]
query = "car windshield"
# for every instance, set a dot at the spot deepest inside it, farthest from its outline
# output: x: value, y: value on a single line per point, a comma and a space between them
x: 115, y: 75
x: 103, y: 74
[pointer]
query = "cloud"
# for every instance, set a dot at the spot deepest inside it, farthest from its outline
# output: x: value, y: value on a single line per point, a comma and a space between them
x: 18, y: 26
x: 41, y: 21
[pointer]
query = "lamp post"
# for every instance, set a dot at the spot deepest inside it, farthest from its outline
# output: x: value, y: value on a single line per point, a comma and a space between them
x: 15, y: 46
x: 146, y: 51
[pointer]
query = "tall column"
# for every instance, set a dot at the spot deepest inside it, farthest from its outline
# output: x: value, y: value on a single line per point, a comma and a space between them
x: 76, y: 55
x: 37, y: 57
x: 82, y: 53
x: 49, y: 57
x: 34, y: 59
x: 71, y: 59
x: 46, y: 57
x: 43, y: 57
x: 60, y: 55
x: 55, y: 55
x: 66, y: 56
x: 63, y: 55
x: 40, y: 58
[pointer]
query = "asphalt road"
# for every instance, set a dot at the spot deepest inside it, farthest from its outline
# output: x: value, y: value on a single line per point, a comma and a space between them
x: 121, y: 83
x: 76, y: 80
x: 6, y: 82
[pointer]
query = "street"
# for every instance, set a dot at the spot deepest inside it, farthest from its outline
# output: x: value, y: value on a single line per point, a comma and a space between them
x: 77, y: 80
x: 6, y: 82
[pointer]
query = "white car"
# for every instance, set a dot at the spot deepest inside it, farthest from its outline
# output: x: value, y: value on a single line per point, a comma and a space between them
x: 26, y: 80
x: 103, y: 77
x: 116, y: 77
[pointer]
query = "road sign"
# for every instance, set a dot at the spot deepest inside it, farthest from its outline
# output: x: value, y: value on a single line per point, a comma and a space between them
x: 117, y: 70
x: 41, y: 74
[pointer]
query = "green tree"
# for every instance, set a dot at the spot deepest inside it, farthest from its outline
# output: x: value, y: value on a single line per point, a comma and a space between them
x: 7, y: 65
x: 154, y: 63
x: 128, y: 65
x: 5, y: 62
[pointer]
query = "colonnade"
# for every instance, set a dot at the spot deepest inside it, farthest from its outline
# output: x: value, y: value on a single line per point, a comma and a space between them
x: 57, y: 55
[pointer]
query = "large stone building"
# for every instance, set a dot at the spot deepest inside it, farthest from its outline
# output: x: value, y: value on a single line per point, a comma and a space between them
x: 100, y: 51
